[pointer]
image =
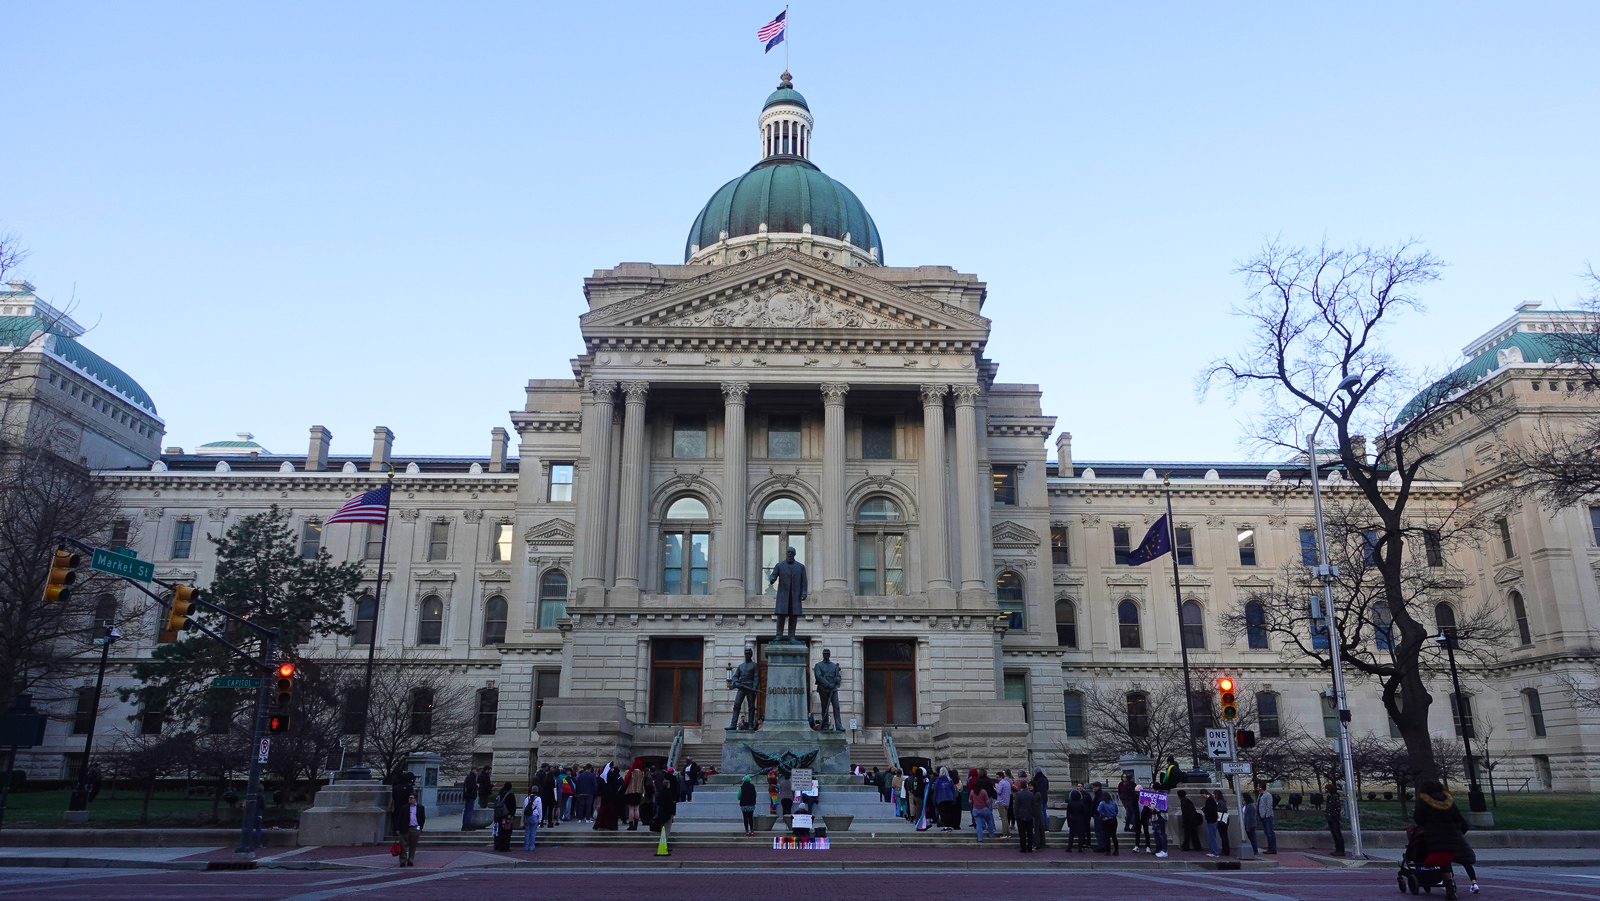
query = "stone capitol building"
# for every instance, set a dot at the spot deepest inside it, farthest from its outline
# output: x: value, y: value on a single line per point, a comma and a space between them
x: 594, y: 581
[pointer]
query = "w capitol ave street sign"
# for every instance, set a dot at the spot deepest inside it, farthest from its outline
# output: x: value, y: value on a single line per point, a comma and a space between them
x: 122, y: 563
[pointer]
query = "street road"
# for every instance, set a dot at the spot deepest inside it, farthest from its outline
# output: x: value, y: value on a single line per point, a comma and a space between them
x: 713, y: 884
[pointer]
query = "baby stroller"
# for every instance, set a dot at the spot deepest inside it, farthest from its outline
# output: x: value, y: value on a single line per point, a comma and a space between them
x: 1421, y: 870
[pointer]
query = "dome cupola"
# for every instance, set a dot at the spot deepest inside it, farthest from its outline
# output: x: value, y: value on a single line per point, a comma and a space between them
x: 784, y: 200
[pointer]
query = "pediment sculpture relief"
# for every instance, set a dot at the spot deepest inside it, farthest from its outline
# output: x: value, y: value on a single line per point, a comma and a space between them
x: 785, y: 307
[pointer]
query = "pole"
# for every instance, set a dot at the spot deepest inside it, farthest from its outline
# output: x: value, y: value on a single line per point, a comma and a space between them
x: 1335, y: 650
x: 359, y: 769
x: 253, y: 801
x: 80, y: 795
x: 5, y: 787
x: 1177, y: 589
x: 1475, y: 802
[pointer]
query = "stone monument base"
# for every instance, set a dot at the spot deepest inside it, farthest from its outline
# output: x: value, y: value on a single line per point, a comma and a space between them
x: 740, y: 749
x: 348, y: 812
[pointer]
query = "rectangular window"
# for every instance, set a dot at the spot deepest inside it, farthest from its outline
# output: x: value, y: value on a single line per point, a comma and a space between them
x: 783, y: 435
x: 1205, y: 716
x: 150, y: 722
x: 689, y: 436
x: 1014, y: 611
x: 438, y: 540
x: 1535, y: 711
x: 877, y: 437
x: 881, y: 564
x: 219, y: 712
x: 119, y: 534
x: 1308, y: 547
x: 310, y: 540
x: 1503, y: 528
x: 889, y: 666
x: 1369, y: 547
x: 560, y: 483
x: 500, y: 549
x: 1461, y: 715
x: 355, y: 711
x: 1267, y: 714
x: 1005, y: 486
x: 1594, y: 523
x: 686, y: 563
x: 546, y: 684
x: 182, y: 539
x: 675, y: 680
x: 1541, y: 769
x: 1058, y: 546
x: 1016, y: 689
x: 372, y: 545
x: 84, y: 714
x: 1078, y: 767
x: 1072, y: 704
x: 422, y: 711
x: 489, y: 711
x: 1185, y: 546
x: 1119, y: 545
x: 1433, y: 547
x: 1247, y: 547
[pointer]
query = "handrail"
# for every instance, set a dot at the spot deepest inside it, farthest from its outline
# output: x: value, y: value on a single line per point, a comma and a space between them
x: 677, y: 746
x: 888, y: 743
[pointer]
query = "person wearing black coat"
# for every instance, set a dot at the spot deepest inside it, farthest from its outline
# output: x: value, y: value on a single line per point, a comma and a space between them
x: 485, y: 788
x: 1079, y: 801
x: 1189, y: 820
x: 1443, y: 827
x: 747, y: 805
x: 1041, y: 823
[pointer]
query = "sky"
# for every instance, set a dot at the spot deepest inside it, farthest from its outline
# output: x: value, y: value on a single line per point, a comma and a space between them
x: 359, y: 214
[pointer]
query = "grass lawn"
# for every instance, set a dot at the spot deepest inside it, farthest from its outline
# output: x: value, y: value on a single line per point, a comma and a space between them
x: 121, y: 808
x: 1523, y: 810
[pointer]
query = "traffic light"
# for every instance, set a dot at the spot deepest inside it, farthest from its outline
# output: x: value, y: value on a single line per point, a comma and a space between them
x: 1244, y: 738
x: 182, y: 607
x: 62, y: 575
x: 1230, y: 708
x: 278, y: 722
x: 285, y: 690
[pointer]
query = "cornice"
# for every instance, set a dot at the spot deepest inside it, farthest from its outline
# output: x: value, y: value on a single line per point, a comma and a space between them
x: 303, y: 482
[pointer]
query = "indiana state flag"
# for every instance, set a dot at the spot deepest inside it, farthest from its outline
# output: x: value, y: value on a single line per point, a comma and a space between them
x: 1156, y: 542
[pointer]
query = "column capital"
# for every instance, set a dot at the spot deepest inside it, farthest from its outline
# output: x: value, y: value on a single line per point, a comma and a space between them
x: 934, y: 394
x: 635, y: 392
x: 834, y: 392
x: 734, y: 392
x: 966, y: 395
x: 602, y: 389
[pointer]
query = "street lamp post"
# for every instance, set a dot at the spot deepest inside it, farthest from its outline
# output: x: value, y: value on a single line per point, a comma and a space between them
x: 1475, y: 801
x: 1325, y: 572
x: 80, y: 796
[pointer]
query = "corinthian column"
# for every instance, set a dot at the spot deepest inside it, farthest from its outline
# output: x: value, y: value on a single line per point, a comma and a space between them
x: 833, y: 514
x: 972, y: 577
x: 936, y: 555
x: 631, y: 510
x: 596, y: 495
x: 734, y: 488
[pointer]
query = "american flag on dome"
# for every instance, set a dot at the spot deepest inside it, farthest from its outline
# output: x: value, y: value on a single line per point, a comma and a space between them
x: 370, y: 507
x: 771, y: 33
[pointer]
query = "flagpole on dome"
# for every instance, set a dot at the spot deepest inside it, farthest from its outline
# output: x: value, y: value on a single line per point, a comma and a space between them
x: 359, y: 769
x: 1177, y: 591
x: 786, y: 38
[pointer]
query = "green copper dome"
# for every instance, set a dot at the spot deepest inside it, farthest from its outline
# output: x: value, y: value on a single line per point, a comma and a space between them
x: 785, y: 193
x: 787, y: 95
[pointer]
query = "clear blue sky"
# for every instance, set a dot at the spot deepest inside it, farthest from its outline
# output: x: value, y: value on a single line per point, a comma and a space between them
x: 353, y: 215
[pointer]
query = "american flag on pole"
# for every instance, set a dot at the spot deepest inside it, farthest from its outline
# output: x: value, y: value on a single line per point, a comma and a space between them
x: 771, y: 33
x: 370, y: 507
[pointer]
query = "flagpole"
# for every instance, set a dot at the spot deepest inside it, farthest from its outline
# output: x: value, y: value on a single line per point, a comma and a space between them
x: 372, y: 643
x: 1177, y: 590
x: 786, y: 38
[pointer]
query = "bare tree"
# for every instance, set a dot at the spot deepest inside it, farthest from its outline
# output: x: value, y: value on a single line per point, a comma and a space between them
x: 145, y: 759
x: 1317, y: 320
x: 412, y: 709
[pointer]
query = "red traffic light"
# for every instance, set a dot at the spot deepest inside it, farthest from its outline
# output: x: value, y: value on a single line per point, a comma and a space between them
x: 278, y: 722
x: 1225, y: 684
x: 286, y: 670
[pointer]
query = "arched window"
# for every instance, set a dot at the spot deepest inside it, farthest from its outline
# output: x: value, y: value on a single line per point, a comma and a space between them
x: 488, y: 710
x: 1444, y: 616
x: 1255, y: 626
x: 782, y: 527
x: 1267, y: 714
x: 494, y: 621
x: 1194, y: 626
x: 430, y: 627
x: 1008, y: 591
x: 1535, y: 712
x: 1383, y: 626
x: 1519, y: 612
x: 1066, y: 623
x: 880, y: 548
x: 552, y: 598
x: 686, y: 548
x: 1138, y: 714
x: 366, y: 618
x: 1128, y: 625
x: 421, y: 711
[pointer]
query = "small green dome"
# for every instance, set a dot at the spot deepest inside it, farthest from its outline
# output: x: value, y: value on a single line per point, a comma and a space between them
x: 787, y: 95
x: 785, y: 193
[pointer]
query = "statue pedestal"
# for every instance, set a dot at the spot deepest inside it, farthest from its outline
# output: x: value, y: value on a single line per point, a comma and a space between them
x: 348, y: 812
x: 786, y: 684
x: 785, y: 735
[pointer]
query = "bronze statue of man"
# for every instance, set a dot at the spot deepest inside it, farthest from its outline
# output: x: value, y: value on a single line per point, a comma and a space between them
x: 790, y: 575
x: 744, y: 682
x: 828, y: 678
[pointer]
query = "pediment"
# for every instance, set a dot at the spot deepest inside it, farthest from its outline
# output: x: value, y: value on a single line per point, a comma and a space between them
x: 551, y: 531
x: 1008, y: 534
x: 1507, y: 575
x: 784, y: 290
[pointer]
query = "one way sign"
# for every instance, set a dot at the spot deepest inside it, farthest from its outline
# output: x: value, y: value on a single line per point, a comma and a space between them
x: 1219, y: 744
